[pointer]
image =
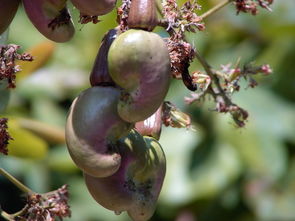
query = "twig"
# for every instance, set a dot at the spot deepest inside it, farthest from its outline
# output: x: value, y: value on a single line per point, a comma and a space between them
x: 17, y: 183
x: 218, y: 91
x: 215, y: 8
x: 6, y: 216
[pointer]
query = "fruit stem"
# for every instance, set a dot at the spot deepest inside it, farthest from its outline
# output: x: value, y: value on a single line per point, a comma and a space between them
x: 17, y: 183
x: 6, y: 215
x: 215, y: 8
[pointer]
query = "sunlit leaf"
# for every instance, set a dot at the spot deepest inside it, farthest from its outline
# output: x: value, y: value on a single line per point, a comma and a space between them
x: 41, y: 53
x: 60, y: 160
x: 24, y: 143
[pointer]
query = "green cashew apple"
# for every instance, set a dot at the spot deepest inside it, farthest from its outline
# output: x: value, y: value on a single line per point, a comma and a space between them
x: 135, y: 187
x: 139, y: 62
x: 92, y: 130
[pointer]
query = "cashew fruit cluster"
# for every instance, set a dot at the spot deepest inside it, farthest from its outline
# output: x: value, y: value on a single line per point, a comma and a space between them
x: 51, y: 17
x: 113, y: 127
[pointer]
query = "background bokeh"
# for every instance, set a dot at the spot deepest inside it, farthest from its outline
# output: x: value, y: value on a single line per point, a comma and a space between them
x: 215, y: 173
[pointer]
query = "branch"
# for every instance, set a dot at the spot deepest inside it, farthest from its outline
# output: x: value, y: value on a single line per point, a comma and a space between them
x: 215, y: 9
x: 214, y: 78
x: 17, y: 183
x: 223, y: 102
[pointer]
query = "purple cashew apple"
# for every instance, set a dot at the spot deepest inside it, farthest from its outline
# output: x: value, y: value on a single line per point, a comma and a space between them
x: 100, y: 73
x: 8, y: 9
x: 139, y: 63
x: 92, y: 130
x: 94, y: 7
x: 142, y: 15
x: 51, y: 18
x: 135, y: 187
x: 151, y: 126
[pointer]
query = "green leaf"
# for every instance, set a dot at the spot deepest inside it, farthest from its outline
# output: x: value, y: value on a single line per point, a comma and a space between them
x: 60, y: 160
x: 4, y: 95
x: 25, y: 144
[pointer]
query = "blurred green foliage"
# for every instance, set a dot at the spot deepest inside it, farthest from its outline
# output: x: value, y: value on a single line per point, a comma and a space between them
x: 217, y: 172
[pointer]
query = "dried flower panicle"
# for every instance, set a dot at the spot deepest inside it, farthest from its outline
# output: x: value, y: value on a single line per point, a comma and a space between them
x: 178, y: 21
x: 122, y: 15
x: 84, y: 19
x: 46, y: 207
x: 181, y: 54
x: 183, y: 19
x: 4, y: 136
x: 233, y: 75
x: 8, y: 57
x: 239, y: 115
x: 251, y: 6
x: 226, y: 82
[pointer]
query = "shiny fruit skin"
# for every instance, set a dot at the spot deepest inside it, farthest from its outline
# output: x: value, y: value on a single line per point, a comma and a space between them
x: 92, y: 129
x: 51, y: 19
x: 135, y: 187
x: 94, y: 7
x: 139, y: 62
x: 8, y: 10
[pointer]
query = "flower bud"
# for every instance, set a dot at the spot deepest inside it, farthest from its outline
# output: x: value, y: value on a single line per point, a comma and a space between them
x: 174, y: 117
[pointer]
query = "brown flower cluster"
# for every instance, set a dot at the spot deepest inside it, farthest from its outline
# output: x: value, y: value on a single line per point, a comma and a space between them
x: 4, y: 136
x: 46, y: 207
x: 181, y: 54
x: 177, y: 21
x: 232, y: 76
x: 226, y: 81
x: 8, y: 57
x: 122, y: 15
x: 251, y: 6
x: 84, y: 19
x: 183, y: 19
